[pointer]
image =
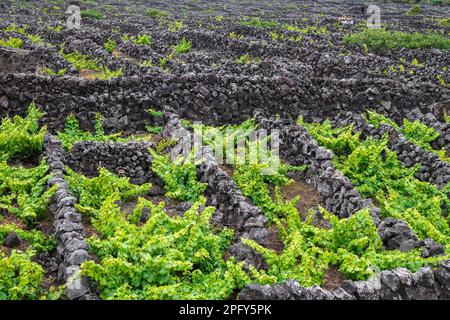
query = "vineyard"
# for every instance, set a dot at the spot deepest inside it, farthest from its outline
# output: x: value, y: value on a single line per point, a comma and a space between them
x: 351, y: 201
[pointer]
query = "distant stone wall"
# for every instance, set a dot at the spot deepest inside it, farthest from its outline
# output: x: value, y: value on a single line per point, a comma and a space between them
x: 208, y: 97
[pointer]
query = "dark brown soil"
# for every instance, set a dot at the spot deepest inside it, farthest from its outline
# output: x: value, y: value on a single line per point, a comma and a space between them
x: 48, y: 262
x: 226, y: 255
x: 127, y: 207
x: 234, y: 295
x: 25, y: 161
x: 89, y: 230
x: 333, y: 278
x: 50, y: 280
x: 309, y: 197
x: 169, y: 204
x: 23, y: 246
x: 229, y: 169
x: 12, y: 219
x: 273, y: 240
x: 46, y: 226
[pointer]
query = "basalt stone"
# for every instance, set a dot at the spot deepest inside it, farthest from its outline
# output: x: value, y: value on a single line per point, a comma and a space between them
x: 76, y: 257
x: 432, y: 249
x: 257, y: 292
x: 281, y: 293
x: 77, y: 288
x: 145, y: 215
x: 394, y: 233
x: 76, y: 244
x: 67, y: 226
x: 341, y: 294
x: 11, y: 240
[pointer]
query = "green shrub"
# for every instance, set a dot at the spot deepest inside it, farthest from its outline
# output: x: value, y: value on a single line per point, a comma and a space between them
x: 80, y: 61
x: 84, y: 62
x: 16, y: 29
x: 20, y: 278
x: 377, y: 173
x: 92, y: 192
x: 444, y: 22
x: 106, y: 74
x: 55, y: 28
x: 36, y: 39
x: 72, y: 133
x: 180, y: 257
x: 183, y: 47
x: 12, y: 43
x: 156, y: 13
x: 36, y: 239
x: 244, y: 59
x: 176, y: 26
x: 153, y: 129
x: 258, y: 23
x: 414, y: 11
x: 168, y: 257
x: 23, y: 191
x: 92, y: 13
x: 180, y: 180
x: 143, y: 40
x: 22, y: 136
x: 147, y: 63
x: 383, y: 39
x: 50, y: 72
x: 110, y: 45
x: 163, y: 63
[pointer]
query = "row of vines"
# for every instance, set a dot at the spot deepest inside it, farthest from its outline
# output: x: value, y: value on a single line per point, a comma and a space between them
x: 150, y: 253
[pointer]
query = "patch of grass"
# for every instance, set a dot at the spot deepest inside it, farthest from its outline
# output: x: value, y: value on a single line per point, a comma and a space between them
x: 234, y: 35
x: 307, y: 29
x: 383, y: 39
x: 244, y: 59
x: 258, y: 23
x: 414, y: 11
x: 143, y: 40
x: 163, y: 63
x: 156, y: 13
x: 110, y: 45
x: 36, y: 39
x: 176, y: 26
x: 16, y: 29
x: 84, y: 62
x: 183, y: 47
x: 153, y: 129
x: 444, y: 22
x: 80, y: 61
x: 92, y: 13
x: 55, y: 28
x: 50, y: 72
x: 147, y: 63
x: 12, y: 43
